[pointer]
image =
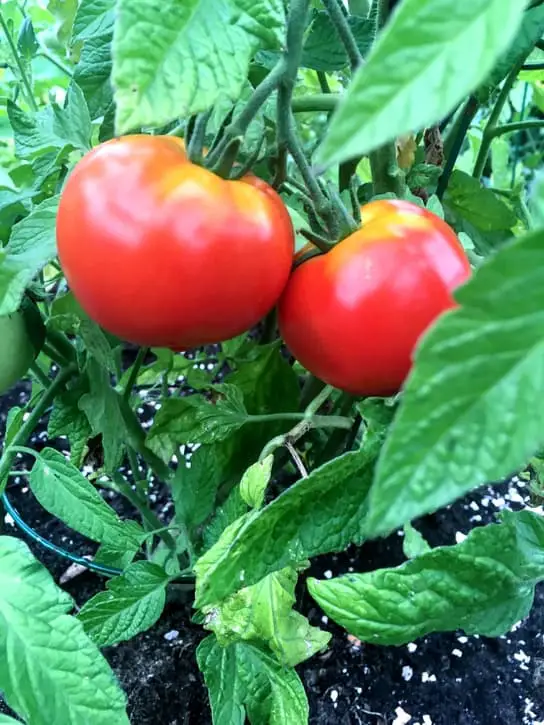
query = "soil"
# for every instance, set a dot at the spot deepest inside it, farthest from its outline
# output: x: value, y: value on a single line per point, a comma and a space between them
x: 442, y: 679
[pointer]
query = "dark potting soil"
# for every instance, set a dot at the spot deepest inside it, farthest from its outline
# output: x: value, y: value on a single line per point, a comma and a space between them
x: 442, y: 679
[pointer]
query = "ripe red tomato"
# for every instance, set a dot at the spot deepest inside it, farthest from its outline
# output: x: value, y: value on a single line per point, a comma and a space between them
x: 353, y: 316
x: 162, y: 252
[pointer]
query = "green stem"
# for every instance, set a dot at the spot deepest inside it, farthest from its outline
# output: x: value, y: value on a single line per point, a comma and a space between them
x: 386, y: 174
x: 454, y: 142
x: 150, y: 519
x: 237, y: 128
x: 513, y: 127
x: 323, y: 81
x: 322, y: 205
x: 315, y: 421
x: 317, y: 240
x: 44, y: 53
x: 291, y: 59
x: 481, y: 159
x: 62, y: 344
x: 16, y: 57
x: 318, y: 401
x: 134, y: 372
x: 54, y: 355
x: 306, y: 424
x: 196, y: 143
x: 31, y: 422
x: 533, y: 66
x: 40, y: 374
x: 339, y: 20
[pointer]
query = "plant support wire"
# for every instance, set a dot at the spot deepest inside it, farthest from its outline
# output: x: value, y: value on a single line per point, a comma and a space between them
x: 29, y: 531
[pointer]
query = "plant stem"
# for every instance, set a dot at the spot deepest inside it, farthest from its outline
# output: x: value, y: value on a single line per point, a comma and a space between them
x: 62, y: 344
x: 291, y: 60
x: 40, y: 374
x: 16, y: 57
x: 339, y: 20
x: 237, y: 128
x: 315, y: 102
x: 513, y: 127
x: 33, y: 419
x: 303, y: 427
x: 533, y: 66
x: 318, y: 401
x: 135, y: 370
x: 44, y: 53
x: 315, y: 421
x: 317, y: 240
x: 196, y: 144
x: 323, y: 81
x: 454, y: 142
x: 481, y: 159
x: 153, y: 523
x: 386, y: 174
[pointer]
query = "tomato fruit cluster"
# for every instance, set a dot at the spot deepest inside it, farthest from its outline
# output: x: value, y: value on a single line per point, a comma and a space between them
x: 162, y: 252
x: 353, y: 316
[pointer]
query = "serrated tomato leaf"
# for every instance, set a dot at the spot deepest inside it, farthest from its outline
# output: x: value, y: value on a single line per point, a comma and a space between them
x: 471, y: 408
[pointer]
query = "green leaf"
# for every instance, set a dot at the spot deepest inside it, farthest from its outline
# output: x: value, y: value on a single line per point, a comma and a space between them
x: 31, y: 246
x: 196, y: 420
x: 67, y: 419
x: 483, y: 585
x: 254, y: 482
x: 93, y: 17
x: 224, y: 516
x: 14, y: 421
x: 27, y: 43
x: 92, y: 74
x: 318, y: 514
x: 64, y: 492
x: 194, y: 488
x: 417, y: 71
x: 413, y: 543
x: 202, y: 52
x: 467, y: 198
x: 97, y: 343
x: 132, y: 604
x: 323, y: 49
x: 242, y: 676
x: 43, y: 651
x: 470, y: 411
x: 101, y: 406
x: 264, y: 613
x: 52, y: 127
x: 531, y: 30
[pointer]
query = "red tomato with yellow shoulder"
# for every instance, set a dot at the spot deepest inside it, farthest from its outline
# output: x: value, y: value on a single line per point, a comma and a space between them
x: 353, y: 316
x: 162, y: 252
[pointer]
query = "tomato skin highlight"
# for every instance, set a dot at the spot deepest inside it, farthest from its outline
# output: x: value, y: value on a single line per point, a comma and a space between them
x: 353, y: 316
x: 162, y: 252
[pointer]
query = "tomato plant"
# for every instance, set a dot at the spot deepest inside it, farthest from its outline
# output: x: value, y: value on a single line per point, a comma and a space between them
x: 353, y: 316
x: 271, y: 289
x: 17, y: 352
x: 212, y: 255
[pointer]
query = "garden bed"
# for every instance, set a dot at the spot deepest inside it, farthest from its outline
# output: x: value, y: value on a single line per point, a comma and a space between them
x: 441, y: 679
